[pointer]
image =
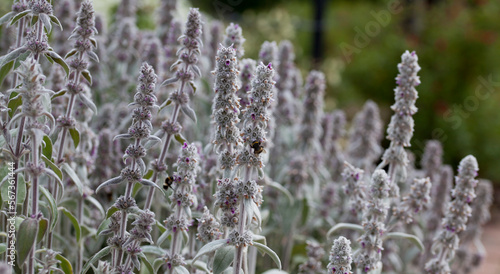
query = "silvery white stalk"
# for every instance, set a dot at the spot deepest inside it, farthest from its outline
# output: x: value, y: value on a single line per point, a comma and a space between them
x: 400, y: 128
x: 285, y: 109
x: 456, y: 216
x: 355, y: 192
x: 186, y: 71
x: 368, y: 258
x: 183, y: 200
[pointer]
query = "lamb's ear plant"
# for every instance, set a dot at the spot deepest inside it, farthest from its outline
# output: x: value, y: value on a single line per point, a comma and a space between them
x: 125, y: 246
x: 458, y: 212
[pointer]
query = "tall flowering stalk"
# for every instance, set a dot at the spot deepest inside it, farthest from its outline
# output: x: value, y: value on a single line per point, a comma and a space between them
x: 400, y: 129
x: 310, y: 131
x: 186, y: 71
x: 455, y: 221
x: 255, y: 119
x: 369, y: 257
x: 139, y: 131
x: 418, y: 199
x: 355, y: 191
x: 234, y: 37
x: 183, y: 200
x: 246, y: 75
x: 225, y: 111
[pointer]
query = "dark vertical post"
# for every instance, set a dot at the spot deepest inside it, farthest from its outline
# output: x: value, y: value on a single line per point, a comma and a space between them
x: 319, y: 8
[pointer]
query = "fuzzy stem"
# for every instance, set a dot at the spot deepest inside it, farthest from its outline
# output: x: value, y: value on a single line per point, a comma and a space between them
x: 238, y: 256
x: 175, y: 236
x: 166, y: 145
x: 79, y: 254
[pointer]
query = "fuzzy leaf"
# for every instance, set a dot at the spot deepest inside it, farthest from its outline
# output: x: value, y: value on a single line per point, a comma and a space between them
x: 55, y: 21
x: 282, y: 189
x: 87, y: 76
x: 28, y: 231
x: 59, y: 93
x: 93, y: 56
x: 52, y: 205
x: 199, y: 265
x: 223, y: 259
x: 103, y: 252
x: 165, y: 104
x: 104, y: 225
x: 14, y: 103
x: 151, y: 249
x: 5, y: 70
x: 180, y: 270
x: 3, y: 248
x: 264, y: 249
x: 74, y: 221
x: 75, y: 136
x: 401, y: 235
x: 19, y: 16
x: 59, y: 60
x: 12, y: 55
x: 7, y: 17
x: 96, y: 204
x: 71, y: 173
x: 110, y: 211
x: 65, y: 264
x: 52, y: 166
x: 179, y: 138
x: 169, y: 81
x: 189, y: 112
x: 146, y: 263
x: 42, y: 228
x: 344, y: 226
x: 46, y: 22
x: 149, y: 183
x: 70, y: 53
x: 210, y: 247
x: 47, y: 147
x: 87, y: 102
x: 112, y: 181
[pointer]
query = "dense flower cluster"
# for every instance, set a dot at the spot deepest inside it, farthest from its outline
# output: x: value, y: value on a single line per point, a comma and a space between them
x: 340, y: 257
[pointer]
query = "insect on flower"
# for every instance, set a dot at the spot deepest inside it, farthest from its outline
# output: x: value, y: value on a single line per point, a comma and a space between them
x: 168, y: 183
x: 257, y: 147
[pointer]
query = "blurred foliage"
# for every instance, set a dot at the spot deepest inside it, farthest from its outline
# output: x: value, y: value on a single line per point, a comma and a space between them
x: 457, y: 43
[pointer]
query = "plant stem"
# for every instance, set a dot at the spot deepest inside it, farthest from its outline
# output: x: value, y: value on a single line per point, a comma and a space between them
x: 79, y: 254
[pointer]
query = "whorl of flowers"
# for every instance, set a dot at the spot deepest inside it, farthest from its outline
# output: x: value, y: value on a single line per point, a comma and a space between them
x: 456, y: 216
x: 400, y: 129
x: 313, y: 109
x: 227, y: 200
x: 340, y: 257
x: 188, y: 167
x: 268, y: 53
x: 40, y: 7
x: 188, y: 53
x: 370, y: 255
x: 364, y: 142
x: 246, y: 75
x: 315, y: 255
x: 432, y: 160
x: 30, y: 91
x: 415, y: 201
x: 226, y: 103
x: 234, y: 37
x: 354, y: 189
x: 208, y: 227
x: 143, y: 225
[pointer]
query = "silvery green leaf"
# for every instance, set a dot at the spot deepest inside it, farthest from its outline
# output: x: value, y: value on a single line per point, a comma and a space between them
x: 223, y: 259
x: 87, y: 76
x: 103, y: 252
x: 163, y: 237
x: 199, y: 265
x: 7, y: 17
x: 72, y: 174
x: 142, y: 165
x: 275, y: 271
x: 12, y: 55
x: 46, y: 22
x: 87, y: 102
x: 259, y: 239
x: 401, y: 235
x: 344, y: 226
x: 210, y: 247
x: 196, y: 70
x: 112, y: 181
x: 27, y: 232
x: 92, y: 55
x: 153, y: 138
x: 59, y: 60
x: 180, y: 270
x: 169, y: 81
x: 266, y: 250
x: 56, y: 21
x: 282, y: 189
x: 19, y: 16
x: 149, y: 183
x: 122, y: 136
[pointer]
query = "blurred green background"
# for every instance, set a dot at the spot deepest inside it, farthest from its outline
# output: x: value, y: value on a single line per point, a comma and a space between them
x: 457, y: 43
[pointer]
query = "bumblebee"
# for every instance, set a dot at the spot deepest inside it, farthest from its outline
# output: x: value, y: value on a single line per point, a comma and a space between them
x: 168, y: 183
x: 257, y: 147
